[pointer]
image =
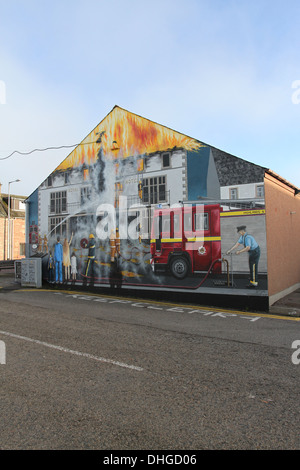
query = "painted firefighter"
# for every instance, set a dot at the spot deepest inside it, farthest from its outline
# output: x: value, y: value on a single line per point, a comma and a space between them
x: 89, y: 268
x: 115, y: 277
x: 251, y: 247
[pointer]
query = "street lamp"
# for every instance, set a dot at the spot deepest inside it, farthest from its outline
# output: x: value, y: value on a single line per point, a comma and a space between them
x: 8, y: 228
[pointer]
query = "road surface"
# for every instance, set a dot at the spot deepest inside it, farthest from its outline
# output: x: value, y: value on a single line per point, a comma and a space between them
x: 87, y: 371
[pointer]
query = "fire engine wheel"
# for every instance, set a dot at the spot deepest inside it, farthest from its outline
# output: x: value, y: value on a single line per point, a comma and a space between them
x: 179, y: 267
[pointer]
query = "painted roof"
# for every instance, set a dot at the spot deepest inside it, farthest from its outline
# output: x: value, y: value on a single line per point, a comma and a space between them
x: 123, y: 134
x: 233, y: 170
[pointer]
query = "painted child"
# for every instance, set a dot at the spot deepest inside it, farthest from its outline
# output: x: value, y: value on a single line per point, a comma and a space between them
x: 73, y: 266
x: 50, y: 267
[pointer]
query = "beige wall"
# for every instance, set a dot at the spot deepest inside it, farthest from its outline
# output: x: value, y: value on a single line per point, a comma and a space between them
x: 283, y: 235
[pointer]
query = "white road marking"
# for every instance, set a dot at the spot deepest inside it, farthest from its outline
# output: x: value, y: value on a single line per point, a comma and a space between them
x: 163, y: 307
x: 70, y: 351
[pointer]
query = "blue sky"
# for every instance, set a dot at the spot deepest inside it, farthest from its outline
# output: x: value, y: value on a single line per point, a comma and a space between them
x: 219, y: 71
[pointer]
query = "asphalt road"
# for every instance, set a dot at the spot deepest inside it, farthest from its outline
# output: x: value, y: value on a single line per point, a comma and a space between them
x: 98, y: 372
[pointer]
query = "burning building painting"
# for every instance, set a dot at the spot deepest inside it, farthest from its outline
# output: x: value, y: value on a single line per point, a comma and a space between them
x: 123, y: 197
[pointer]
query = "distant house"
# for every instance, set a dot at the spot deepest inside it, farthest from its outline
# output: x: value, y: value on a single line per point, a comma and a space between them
x: 12, y: 226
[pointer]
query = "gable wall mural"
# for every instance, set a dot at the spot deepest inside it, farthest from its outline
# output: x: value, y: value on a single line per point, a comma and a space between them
x: 138, y: 204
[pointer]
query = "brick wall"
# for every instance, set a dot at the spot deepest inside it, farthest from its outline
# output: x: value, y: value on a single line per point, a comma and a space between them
x: 17, y: 237
x: 3, y: 237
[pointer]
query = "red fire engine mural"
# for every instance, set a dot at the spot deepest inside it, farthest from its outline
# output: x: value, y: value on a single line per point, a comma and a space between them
x: 186, y: 240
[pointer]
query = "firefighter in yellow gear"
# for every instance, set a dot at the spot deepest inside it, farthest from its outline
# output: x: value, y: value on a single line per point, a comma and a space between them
x: 89, y: 269
x: 115, y: 271
x: 118, y: 242
x: 140, y: 190
x: 115, y: 244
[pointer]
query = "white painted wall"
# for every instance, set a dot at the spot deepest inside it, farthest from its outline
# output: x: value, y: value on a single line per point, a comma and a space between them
x: 245, y: 191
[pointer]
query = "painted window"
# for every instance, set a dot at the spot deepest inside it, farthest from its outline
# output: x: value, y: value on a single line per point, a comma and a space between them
x: 154, y: 190
x: 260, y: 190
x: 233, y: 193
x: 67, y: 177
x: 85, y: 174
x: 140, y: 164
x: 166, y: 160
x: 58, y: 202
x: 85, y: 194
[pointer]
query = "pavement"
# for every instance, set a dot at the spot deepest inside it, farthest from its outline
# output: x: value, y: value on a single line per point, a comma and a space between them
x: 287, y: 306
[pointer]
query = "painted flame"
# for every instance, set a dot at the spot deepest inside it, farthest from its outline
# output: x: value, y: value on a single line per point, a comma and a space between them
x: 126, y: 134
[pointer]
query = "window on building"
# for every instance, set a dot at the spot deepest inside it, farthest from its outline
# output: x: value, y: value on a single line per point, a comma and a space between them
x: 58, y: 226
x: 154, y: 190
x: 17, y: 204
x: 166, y: 160
x: 49, y: 181
x: 58, y: 202
x: 233, y: 193
x: 14, y: 204
x: 260, y: 191
x: 22, y: 249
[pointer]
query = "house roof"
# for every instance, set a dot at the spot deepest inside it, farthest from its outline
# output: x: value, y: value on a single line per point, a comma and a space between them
x: 284, y: 181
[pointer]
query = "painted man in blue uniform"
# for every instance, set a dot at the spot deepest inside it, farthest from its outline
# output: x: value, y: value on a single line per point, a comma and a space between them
x: 251, y: 246
x: 58, y: 258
